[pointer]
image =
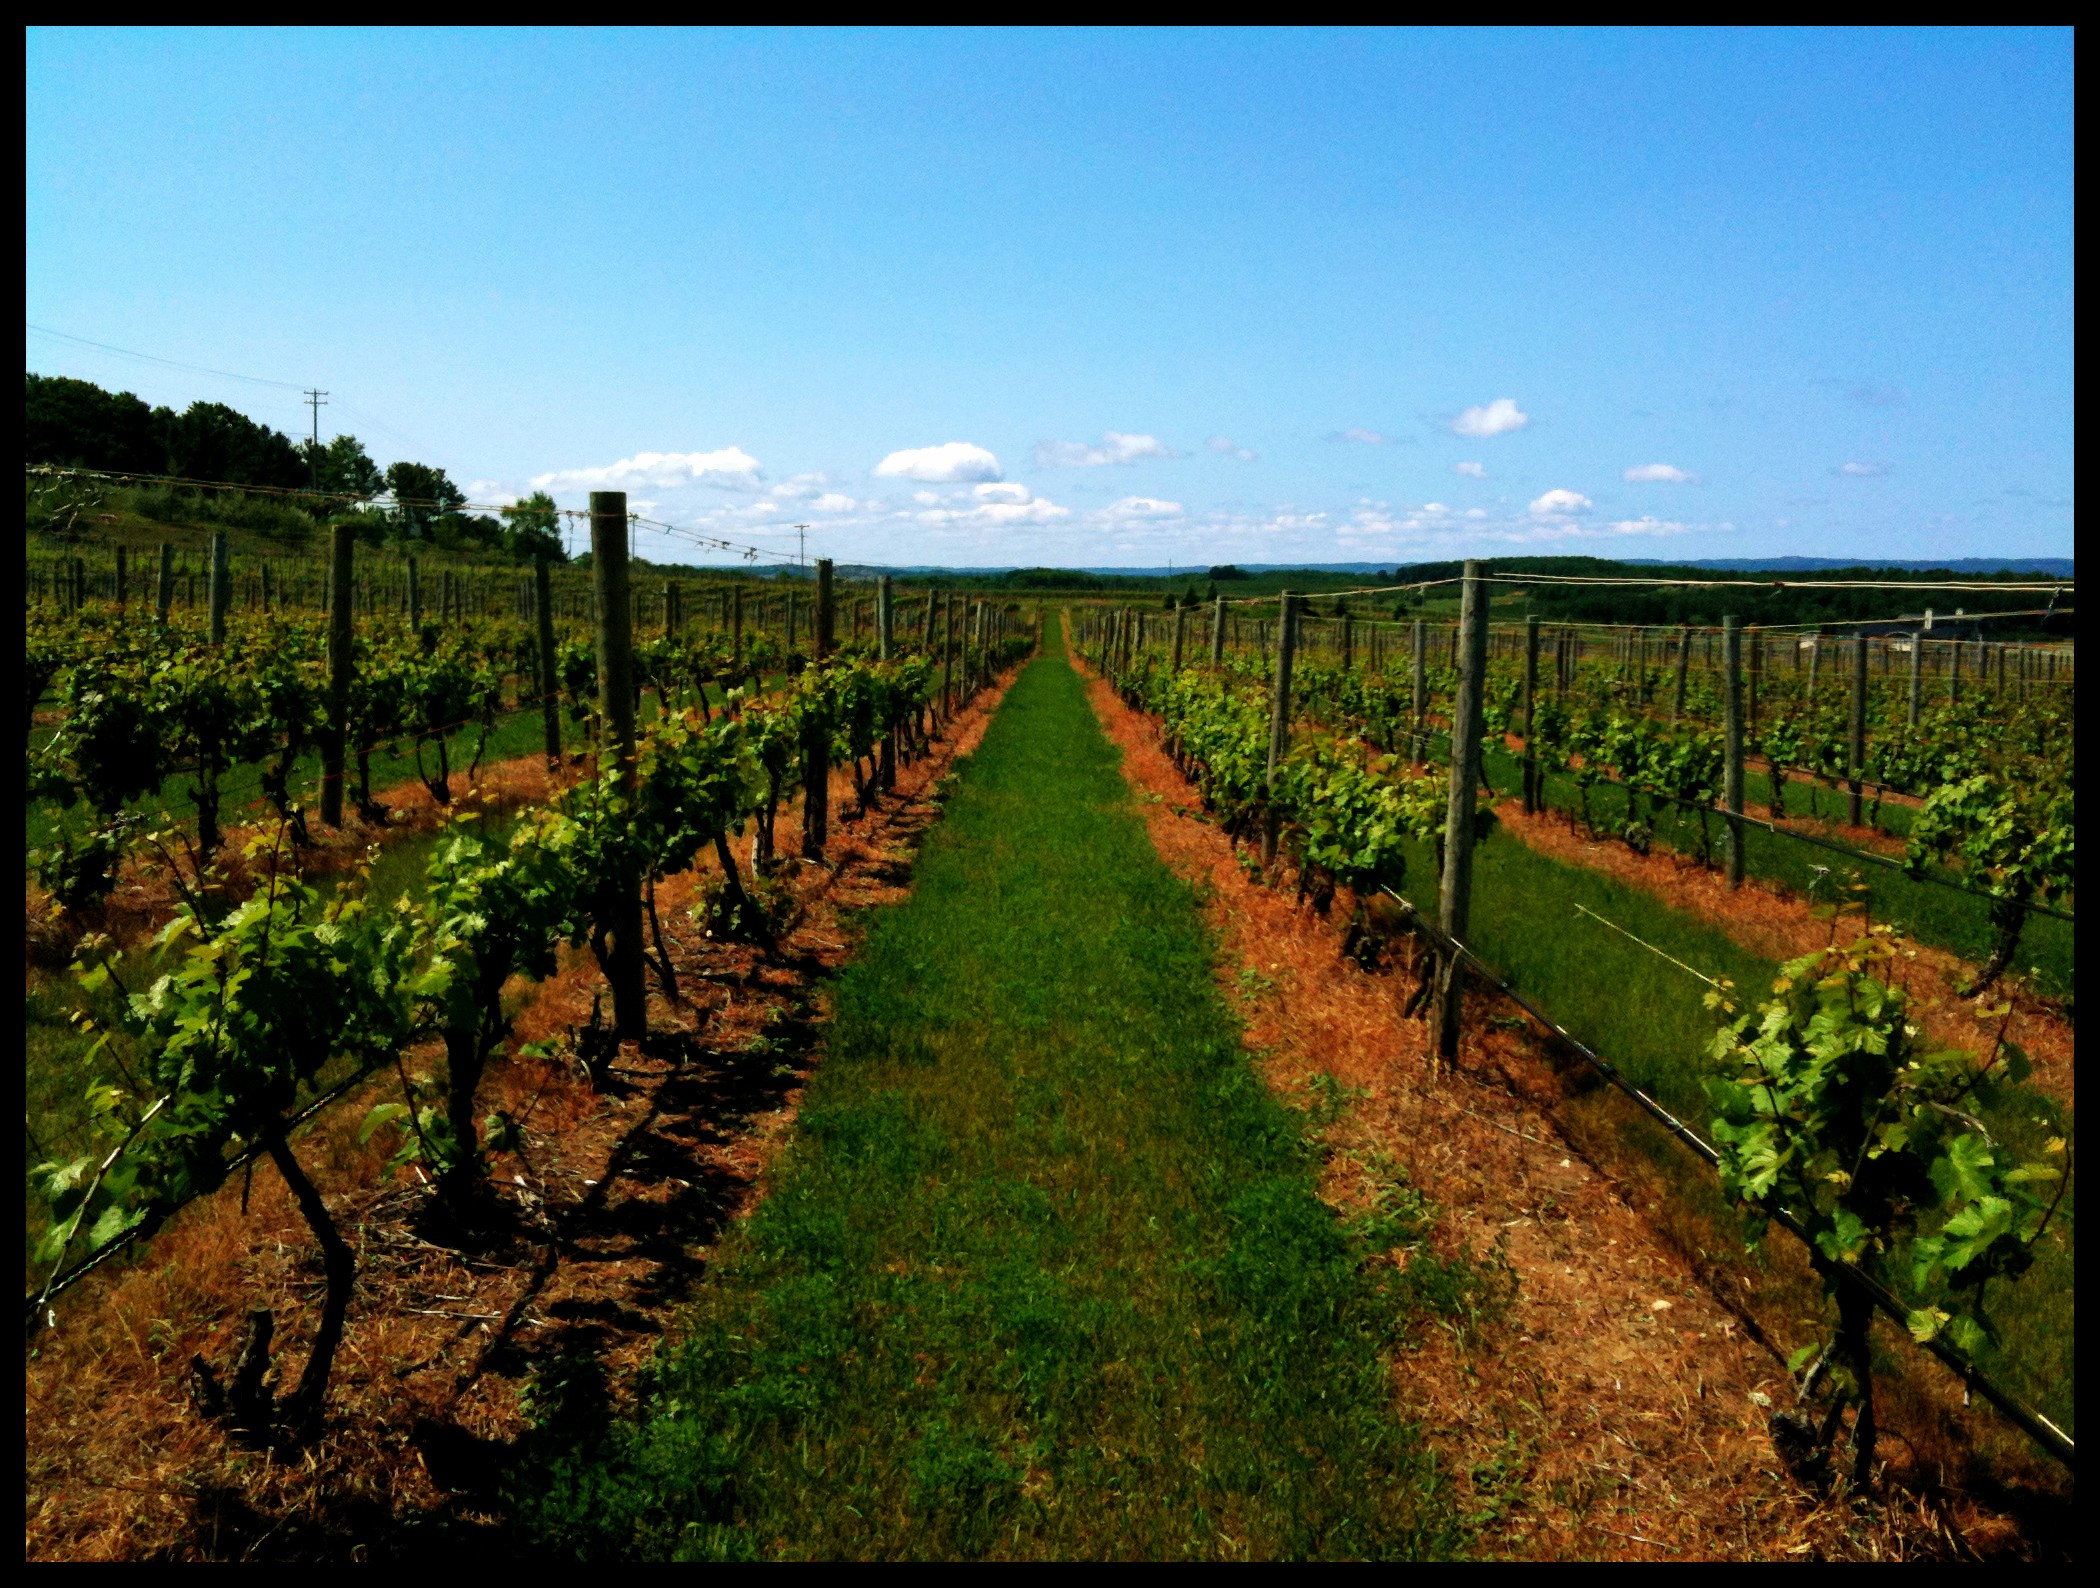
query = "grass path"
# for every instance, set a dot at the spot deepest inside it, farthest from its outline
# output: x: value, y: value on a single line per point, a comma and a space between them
x: 1043, y: 1273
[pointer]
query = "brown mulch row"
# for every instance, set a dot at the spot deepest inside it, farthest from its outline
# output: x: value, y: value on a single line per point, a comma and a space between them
x: 1618, y: 1410
x: 597, y: 1231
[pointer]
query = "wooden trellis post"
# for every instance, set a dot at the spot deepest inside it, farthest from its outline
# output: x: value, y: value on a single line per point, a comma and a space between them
x: 1279, y: 716
x: 1732, y: 738
x: 623, y: 888
x: 1455, y: 894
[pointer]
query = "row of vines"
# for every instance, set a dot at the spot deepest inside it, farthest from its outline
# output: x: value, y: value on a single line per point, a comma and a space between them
x: 210, y: 1039
x: 1827, y: 1111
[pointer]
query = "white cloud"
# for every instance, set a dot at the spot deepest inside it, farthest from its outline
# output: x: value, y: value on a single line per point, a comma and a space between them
x: 1476, y: 471
x: 1861, y: 471
x: 952, y: 462
x: 1649, y: 526
x: 1370, y: 438
x: 1435, y: 507
x: 800, y: 488
x: 1117, y: 446
x: 490, y: 493
x: 996, y: 506
x: 731, y: 468
x: 834, y: 502
x: 1560, y: 500
x: 1658, y: 474
x: 1493, y: 419
x: 1226, y: 447
x: 1140, y: 508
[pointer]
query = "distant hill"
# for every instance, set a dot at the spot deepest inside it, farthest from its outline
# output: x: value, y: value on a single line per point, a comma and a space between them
x: 2053, y: 567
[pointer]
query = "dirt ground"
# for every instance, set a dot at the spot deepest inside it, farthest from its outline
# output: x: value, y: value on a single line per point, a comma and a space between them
x: 1619, y: 1410
x: 597, y: 1230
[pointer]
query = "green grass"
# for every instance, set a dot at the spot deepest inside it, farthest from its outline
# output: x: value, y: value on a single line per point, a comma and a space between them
x: 1043, y: 1273
x: 1647, y: 1016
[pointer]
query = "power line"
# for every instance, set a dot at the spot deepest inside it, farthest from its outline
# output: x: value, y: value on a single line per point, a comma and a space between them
x: 155, y: 358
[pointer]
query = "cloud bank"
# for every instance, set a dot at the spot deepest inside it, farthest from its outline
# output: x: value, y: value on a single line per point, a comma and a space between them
x: 1657, y: 474
x: 1117, y: 446
x: 730, y: 468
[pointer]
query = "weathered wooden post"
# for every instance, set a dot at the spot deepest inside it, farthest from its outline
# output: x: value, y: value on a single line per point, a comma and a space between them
x: 948, y: 657
x: 1420, y: 751
x: 415, y: 593
x: 1757, y: 671
x: 816, y: 732
x: 1279, y: 718
x: 1917, y: 673
x: 1455, y: 896
x: 1684, y: 664
x: 549, y: 679
x: 342, y: 654
x: 623, y: 888
x: 1217, y: 632
x: 220, y: 586
x: 886, y: 649
x: 1532, y: 800
x: 1732, y: 742
x: 1181, y: 631
x: 124, y: 578
x: 1856, y: 758
x: 164, y: 589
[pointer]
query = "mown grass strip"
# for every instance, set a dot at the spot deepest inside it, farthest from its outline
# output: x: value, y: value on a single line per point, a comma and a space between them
x: 1043, y: 1273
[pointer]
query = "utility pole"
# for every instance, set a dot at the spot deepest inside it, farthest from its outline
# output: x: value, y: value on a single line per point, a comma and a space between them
x: 316, y: 400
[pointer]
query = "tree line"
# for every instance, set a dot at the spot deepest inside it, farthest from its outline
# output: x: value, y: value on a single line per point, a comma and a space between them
x: 76, y: 424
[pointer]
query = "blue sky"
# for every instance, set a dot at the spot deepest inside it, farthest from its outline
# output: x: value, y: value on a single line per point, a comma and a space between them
x: 1109, y: 298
